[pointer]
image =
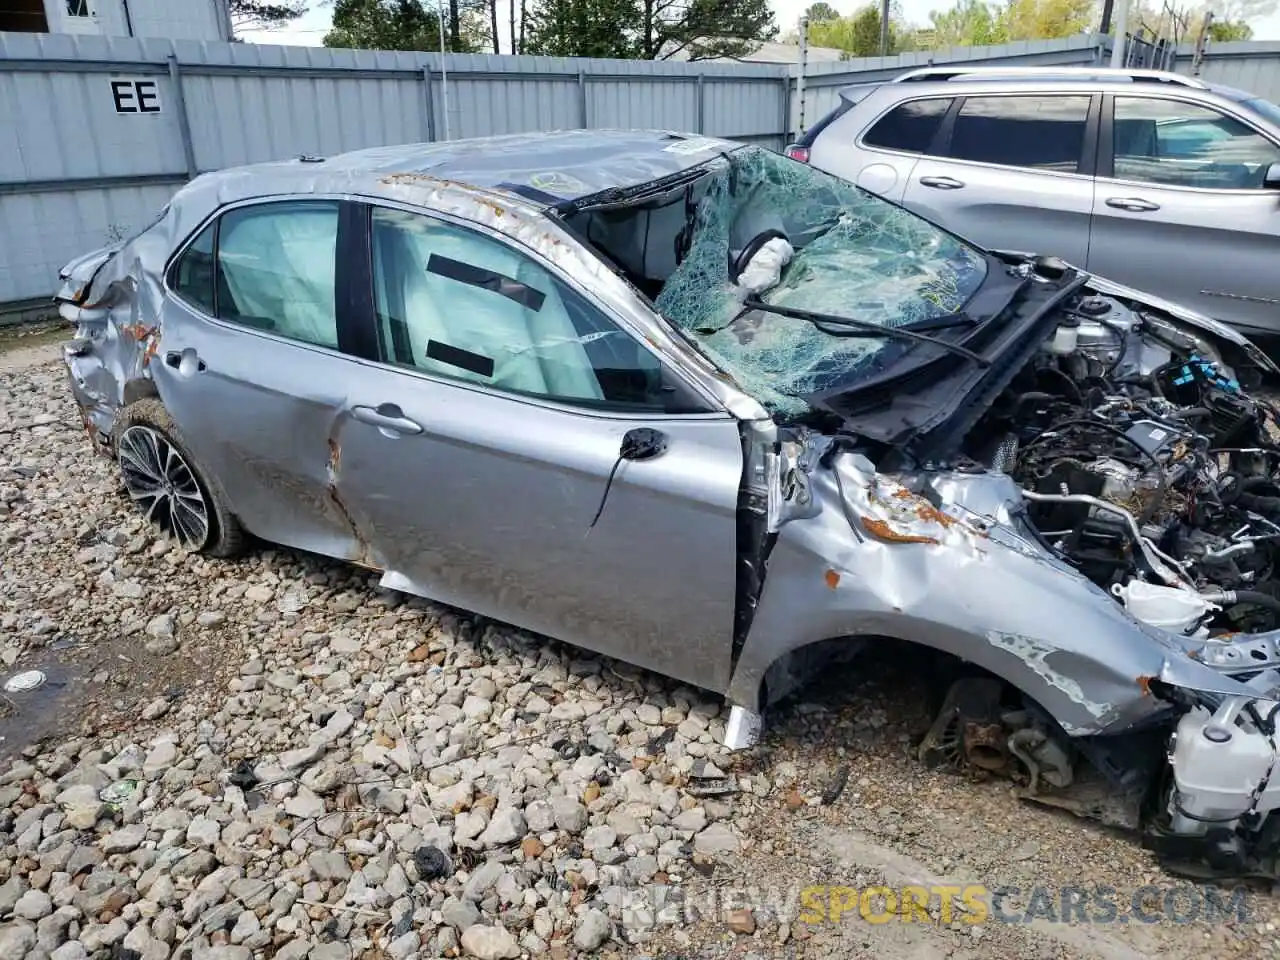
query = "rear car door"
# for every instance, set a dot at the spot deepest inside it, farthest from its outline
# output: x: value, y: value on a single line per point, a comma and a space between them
x: 1012, y: 172
x: 881, y: 157
x: 1181, y: 210
x: 255, y: 362
x: 483, y: 457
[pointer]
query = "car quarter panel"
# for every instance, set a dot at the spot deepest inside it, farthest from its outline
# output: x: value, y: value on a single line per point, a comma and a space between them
x: 911, y: 572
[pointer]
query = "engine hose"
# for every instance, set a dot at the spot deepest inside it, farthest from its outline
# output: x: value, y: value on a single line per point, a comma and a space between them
x: 1229, y: 598
x: 1066, y: 381
x: 1260, y: 503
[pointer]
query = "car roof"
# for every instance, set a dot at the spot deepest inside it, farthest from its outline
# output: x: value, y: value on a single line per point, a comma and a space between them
x: 543, y: 169
x: 958, y: 78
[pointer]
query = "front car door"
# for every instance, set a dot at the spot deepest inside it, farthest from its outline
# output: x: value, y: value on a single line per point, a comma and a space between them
x: 1181, y: 212
x: 483, y: 460
x: 1012, y: 172
x: 255, y: 360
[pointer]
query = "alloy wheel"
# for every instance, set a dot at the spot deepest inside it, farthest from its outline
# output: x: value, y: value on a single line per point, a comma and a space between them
x: 161, y: 482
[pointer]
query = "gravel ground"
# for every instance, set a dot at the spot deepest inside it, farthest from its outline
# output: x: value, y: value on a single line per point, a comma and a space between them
x: 274, y: 758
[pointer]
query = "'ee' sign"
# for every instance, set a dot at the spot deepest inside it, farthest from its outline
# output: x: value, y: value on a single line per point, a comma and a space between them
x: 136, y: 96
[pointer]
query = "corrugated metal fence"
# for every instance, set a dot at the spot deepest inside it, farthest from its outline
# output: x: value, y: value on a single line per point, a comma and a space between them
x: 99, y: 131
x: 1249, y: 65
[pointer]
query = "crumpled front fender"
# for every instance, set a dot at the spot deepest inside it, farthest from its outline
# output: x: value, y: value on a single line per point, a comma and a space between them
x: 872, y: 558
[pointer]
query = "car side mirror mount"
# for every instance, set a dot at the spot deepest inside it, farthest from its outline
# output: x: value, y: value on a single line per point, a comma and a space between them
x: 1271, y: 179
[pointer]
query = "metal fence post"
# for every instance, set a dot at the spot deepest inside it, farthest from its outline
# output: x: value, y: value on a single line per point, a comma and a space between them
x: 582, y: 99
x: 702, y: 104
x: 786, y: 108
x: 429, y: 96
x: 184, y: 122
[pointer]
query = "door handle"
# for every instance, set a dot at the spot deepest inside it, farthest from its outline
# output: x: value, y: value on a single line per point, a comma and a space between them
x: 942, y: 183
x: 185, y: 361
x: 1132, y: 204
x: 387, y: 417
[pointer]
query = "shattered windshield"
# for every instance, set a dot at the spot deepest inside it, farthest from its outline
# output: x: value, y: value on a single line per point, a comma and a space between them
x: 850, y: 253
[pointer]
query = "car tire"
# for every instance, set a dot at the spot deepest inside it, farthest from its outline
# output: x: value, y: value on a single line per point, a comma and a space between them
x: 170, y: 488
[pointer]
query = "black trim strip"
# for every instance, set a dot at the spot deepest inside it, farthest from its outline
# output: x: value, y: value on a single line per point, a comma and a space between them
x: 1088, y: 163
x: 491, y: 280
x: 457, y: 357
x: 1106, y: 140
x: 353, y: 283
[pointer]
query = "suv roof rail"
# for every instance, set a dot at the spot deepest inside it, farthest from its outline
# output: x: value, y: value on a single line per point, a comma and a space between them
x: 1072, y: 73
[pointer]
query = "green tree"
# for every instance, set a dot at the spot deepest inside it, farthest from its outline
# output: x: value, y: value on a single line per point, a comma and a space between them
x: 1225, y: 30
x: 969, y: 23
x: 260, y: 15
x: 976, y: 23
x: 858, y: 34
x: 583, y: 28
x: 820, y: 11
x: 406, y: 25
x: 649, y: 29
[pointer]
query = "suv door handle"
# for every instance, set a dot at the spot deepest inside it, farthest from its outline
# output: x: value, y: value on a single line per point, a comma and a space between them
x: 942, y: 183
x: 386, y: 417
x: 1133, y: 204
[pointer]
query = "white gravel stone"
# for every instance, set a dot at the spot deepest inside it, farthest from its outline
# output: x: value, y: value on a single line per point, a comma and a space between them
x: 593, y: 930
x: 489, y: 943
x: 33, y: 905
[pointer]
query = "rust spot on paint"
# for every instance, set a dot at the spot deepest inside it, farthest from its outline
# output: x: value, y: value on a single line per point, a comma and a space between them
x: 832, y: 578
x: 1144, y: 684
x: 335, y: 459
x: 882, y: 531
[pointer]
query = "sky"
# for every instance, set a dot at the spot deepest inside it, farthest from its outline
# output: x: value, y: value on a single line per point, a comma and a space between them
x: 310, y: 29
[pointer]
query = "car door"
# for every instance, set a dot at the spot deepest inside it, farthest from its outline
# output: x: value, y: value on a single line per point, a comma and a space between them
x: 254, y: 362
x: 1012, y: 172
x: 1181, y: 210
x: 881, y: 157
x: 485, y: 456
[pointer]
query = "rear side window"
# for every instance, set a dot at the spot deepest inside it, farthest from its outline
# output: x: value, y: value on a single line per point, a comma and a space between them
x: 270, y: 266
x: 1045, y: 132
x: 909, y: 127
x: 193, y: 274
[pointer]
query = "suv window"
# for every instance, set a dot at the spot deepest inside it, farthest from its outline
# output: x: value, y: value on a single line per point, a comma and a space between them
x: 1183, y: 144
x: 268, y: 266
x: 909, y: 126
x: 1044, y: 132
x: 458, y: 304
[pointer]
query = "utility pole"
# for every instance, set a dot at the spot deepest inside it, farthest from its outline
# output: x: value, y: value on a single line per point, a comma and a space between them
x: 804, y: 59
x: 884, y: 28
x: 1122, y: 35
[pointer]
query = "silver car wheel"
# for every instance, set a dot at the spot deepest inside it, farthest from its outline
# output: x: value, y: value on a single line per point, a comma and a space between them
x: 162, y: 483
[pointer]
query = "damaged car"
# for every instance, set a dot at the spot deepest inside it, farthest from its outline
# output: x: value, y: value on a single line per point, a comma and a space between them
x: 699, y: 407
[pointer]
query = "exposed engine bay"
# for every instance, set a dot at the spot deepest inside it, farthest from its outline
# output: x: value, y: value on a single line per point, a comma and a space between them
x: 1149, y: 464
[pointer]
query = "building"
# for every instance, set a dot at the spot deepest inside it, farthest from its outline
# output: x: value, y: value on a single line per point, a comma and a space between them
x: 171, y: 19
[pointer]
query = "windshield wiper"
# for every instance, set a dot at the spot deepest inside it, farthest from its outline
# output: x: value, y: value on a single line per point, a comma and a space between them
x: 860, y: 328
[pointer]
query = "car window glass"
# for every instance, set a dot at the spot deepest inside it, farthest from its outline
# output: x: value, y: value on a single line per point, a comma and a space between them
x: 908, y: 126
x: 1041, y: 132
x: 276, y: 269
x: 458, y: 304
x: 1182, y: 144
x: 192, y: 277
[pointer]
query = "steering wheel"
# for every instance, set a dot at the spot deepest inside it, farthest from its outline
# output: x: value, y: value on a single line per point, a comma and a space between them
x: 751, y: 249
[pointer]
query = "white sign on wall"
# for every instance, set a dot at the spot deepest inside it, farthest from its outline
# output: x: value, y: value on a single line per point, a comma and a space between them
x: 136, y: 95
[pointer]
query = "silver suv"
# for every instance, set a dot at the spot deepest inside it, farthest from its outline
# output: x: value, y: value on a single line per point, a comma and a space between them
x: 1156, y: 180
